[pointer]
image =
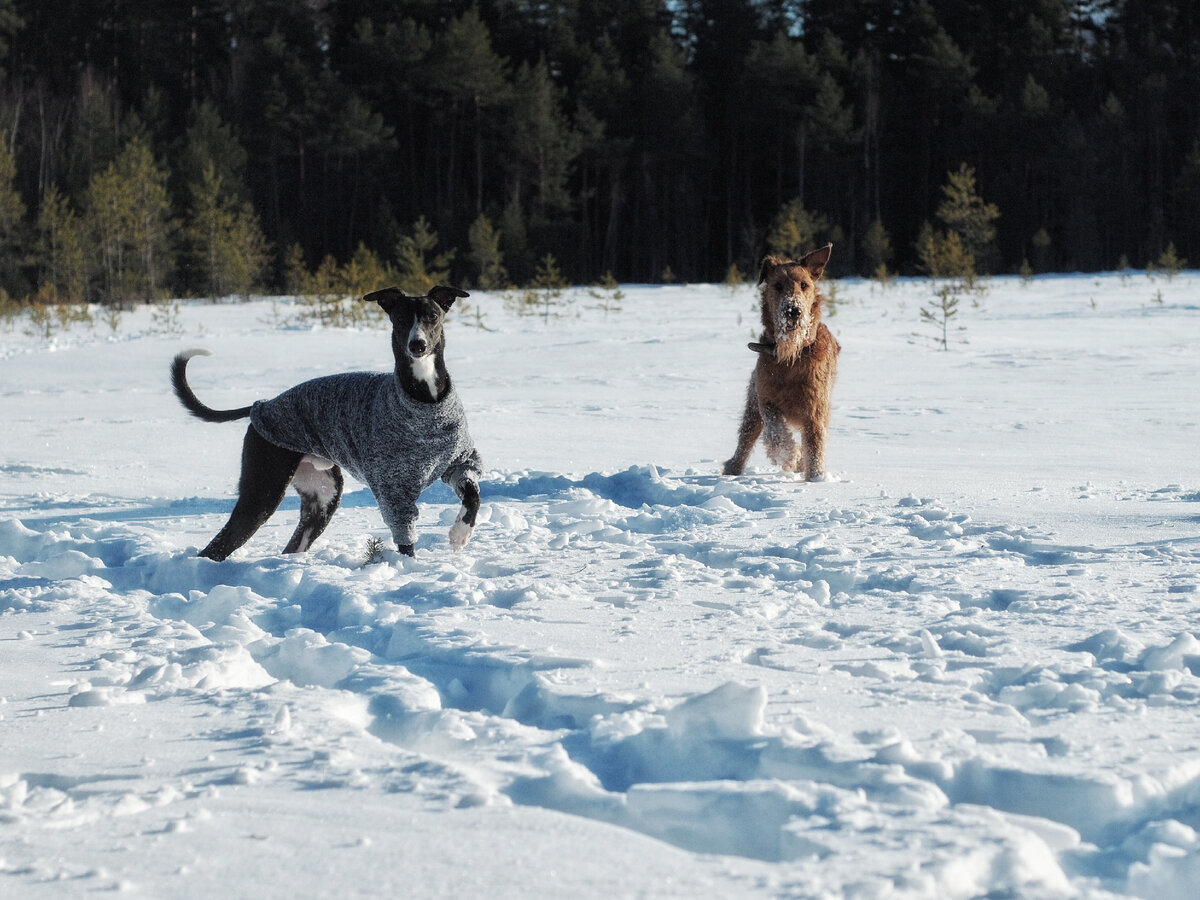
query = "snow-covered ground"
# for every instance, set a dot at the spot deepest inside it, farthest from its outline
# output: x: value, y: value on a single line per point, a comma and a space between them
x: 966, y: 665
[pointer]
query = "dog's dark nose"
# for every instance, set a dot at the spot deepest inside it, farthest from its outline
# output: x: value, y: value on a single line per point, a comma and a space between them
x: 793, y: 311
x: 417, y: 347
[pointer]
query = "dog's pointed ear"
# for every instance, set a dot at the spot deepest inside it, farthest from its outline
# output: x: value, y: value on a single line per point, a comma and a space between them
x: 815, y: 261
x: 768, y: 263
x: 388, y: 298
x: 445, y: 296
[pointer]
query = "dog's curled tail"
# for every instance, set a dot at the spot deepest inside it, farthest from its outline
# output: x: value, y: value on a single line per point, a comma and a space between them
x: 184, y: 391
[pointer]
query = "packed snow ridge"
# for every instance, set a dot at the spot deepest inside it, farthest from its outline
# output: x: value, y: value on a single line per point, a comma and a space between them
x: 964, y: 665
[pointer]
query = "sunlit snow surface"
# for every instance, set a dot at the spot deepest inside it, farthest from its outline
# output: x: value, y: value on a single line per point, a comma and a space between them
x: 964, y: 665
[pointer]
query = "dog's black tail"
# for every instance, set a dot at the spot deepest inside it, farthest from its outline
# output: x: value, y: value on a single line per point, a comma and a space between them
x: 184, y: 392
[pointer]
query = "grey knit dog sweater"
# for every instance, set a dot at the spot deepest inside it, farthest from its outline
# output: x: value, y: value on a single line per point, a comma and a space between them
x: 368, y: 425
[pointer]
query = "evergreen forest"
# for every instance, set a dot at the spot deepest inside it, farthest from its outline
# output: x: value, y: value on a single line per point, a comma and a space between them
x: 157, y: 148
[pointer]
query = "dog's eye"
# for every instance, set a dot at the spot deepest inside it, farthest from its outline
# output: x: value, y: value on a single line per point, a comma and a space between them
x: 779, y: 285
x: 804, y: 285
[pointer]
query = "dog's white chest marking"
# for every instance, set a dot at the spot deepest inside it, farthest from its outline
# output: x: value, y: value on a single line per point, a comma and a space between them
x: 422, y: 366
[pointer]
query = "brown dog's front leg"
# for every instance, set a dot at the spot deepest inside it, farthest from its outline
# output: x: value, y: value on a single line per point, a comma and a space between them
x: 781, y: 446
x: 748, y: 432
x: 813, y: 435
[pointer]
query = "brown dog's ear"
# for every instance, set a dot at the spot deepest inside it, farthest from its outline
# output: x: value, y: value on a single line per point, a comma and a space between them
x: 768, y: 263
x: 445, y: 296
x: 388, y: 298
x: 815, y: 261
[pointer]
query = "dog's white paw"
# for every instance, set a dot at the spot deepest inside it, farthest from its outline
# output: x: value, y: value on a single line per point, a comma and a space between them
x: 460, y: 533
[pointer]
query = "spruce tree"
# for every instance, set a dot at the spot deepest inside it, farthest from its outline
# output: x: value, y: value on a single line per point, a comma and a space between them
x: 877, y: 250
x: 107, y: 215
x: 544, y: 145
x: 210, y: 141
x: 966, y: 214
x: 228, y: 251
x: 418, y: 267
x: 365, y: 272
x: 10, y: 24
x: 61, y: 255
x: 795, y: 230
x: 128, y: 215
x: 12, y: 225
x: 486, y: 258
x: 466, y: 70
x: 1169, y: 262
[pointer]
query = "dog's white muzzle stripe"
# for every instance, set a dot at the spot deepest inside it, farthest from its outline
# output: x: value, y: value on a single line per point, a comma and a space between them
x: 422, y: 366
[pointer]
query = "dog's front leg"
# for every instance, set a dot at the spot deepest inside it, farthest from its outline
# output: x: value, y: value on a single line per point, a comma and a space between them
x: 399, y: 511
x: 748, y: 432
x: 781, y: 446
x: 464, y: 524
x: 463, y: 478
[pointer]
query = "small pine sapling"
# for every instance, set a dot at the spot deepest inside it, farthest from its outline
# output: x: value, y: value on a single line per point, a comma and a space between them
x: 485, y: 255
x: 164, y: 318
x: 1123, y: 268
x: 609, y: 294
x: 40, y: 321
x: 734, y: 278
x: 1170, y: 263
x: 549, y: 282
x: 831, y: 298
x: 877, y: 252
x: 374, y: 551
x: 111, y: 316
x: 795, y: 230
x: 418, y: 265
x: 940, y: 311
x: 951, y: 269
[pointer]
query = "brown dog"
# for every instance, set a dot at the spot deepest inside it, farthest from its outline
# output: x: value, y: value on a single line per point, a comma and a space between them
x: 797, y: 361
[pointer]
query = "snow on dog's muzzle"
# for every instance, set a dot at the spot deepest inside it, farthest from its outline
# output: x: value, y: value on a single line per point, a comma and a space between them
x: 790, y: 317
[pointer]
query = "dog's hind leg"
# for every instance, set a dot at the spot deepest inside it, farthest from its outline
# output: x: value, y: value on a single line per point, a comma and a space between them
x: 266, y: 471
x: 319, y: 484
x: 748, y: 432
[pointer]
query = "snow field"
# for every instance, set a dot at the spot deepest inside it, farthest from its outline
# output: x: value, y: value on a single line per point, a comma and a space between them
x: 963, y: 665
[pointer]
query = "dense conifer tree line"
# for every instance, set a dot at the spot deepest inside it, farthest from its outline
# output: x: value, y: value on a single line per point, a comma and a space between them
x: 211, y: 147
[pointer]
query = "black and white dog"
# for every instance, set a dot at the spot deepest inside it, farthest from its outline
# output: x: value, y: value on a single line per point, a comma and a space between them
x: 397, y: 433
